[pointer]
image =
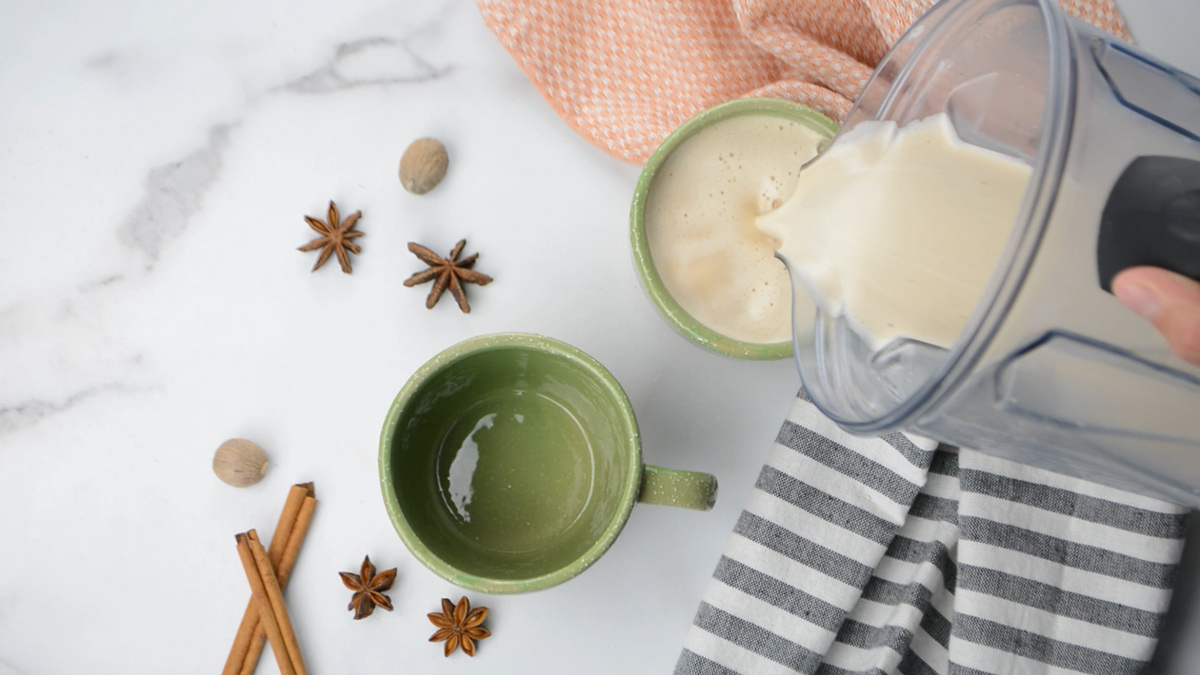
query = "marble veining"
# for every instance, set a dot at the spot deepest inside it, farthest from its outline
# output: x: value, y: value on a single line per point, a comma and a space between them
x: 32, y: 411
x: 97, y: 285
x: 174, y: 192
x: 378, y: 60
x: 372, y: 61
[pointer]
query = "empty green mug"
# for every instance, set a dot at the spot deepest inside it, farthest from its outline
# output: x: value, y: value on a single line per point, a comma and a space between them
x: 510, y: 462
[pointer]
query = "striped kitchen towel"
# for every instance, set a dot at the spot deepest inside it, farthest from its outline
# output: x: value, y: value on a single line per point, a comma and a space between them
x: 895, y: 555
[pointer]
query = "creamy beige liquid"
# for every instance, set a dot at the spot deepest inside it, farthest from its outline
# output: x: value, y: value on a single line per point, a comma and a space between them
x: 700, y: 214
x: 900, y: 230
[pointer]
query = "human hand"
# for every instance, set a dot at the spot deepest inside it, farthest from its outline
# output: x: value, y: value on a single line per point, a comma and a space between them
x: 1168, y: 300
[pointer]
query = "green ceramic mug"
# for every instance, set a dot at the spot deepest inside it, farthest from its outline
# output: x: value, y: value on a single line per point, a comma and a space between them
x: 510, y: 463
x: 643, y: 261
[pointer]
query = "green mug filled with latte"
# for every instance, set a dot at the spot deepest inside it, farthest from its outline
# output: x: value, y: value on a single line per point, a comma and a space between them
x: 510, y: 463
x: 706, y: 267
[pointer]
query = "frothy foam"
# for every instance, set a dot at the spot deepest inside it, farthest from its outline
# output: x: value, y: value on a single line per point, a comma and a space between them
x: 700, y: 213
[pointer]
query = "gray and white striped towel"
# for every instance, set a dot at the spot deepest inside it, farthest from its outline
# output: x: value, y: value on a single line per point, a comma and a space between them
x: 892, y: 555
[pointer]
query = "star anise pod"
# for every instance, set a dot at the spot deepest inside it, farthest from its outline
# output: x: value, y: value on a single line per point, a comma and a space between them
x: 450, y: 273
x: 335, y: 238
x: 459, y: 625
x: 368, y: 589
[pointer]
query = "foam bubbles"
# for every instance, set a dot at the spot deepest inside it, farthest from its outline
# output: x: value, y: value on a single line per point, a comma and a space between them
x: 700, y: 214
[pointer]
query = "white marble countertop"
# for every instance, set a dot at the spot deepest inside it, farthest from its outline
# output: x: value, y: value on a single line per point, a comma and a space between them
x: 156, y: 160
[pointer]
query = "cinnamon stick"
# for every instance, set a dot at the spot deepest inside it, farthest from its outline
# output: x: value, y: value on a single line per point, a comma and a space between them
x: 258, y: 592
x: 283, y: 572
x: 248, y: 643
x: 277, y: 606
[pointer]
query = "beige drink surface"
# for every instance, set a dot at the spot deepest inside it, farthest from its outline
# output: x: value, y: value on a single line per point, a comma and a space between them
x: 699, y: 221
x: 900, y: 230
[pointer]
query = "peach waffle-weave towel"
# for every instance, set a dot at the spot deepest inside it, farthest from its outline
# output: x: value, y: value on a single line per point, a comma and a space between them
x: 624, y: 73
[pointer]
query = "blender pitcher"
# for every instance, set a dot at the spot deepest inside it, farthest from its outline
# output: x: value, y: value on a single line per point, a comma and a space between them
x: 1050, y: 369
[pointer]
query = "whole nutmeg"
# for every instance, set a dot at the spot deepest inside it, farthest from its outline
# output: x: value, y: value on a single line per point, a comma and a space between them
x: 423, y: 165
x: 239, y: 462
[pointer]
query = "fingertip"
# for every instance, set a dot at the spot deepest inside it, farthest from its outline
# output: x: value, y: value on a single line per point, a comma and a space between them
x: 1171, y: 301
x: 1169, y: 286
x: 1137, y: 294
x: 1181, y: 326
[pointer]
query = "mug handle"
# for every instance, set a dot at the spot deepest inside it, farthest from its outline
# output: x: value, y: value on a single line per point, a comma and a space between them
x: 672, y: 487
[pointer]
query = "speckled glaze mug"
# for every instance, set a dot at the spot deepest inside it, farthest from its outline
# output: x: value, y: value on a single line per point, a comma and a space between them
x: 643, y: 261
x: 510, y: 462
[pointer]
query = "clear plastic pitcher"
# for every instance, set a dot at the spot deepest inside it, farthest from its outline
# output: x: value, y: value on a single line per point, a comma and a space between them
x: 1050, y: 369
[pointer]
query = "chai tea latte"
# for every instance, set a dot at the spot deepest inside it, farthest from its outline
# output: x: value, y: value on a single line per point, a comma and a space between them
x: 699, y: 221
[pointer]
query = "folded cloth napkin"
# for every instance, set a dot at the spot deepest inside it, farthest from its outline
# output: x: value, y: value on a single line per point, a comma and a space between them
x: 625, y: 73
x: 858, y: 555
x: 894, y: 555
